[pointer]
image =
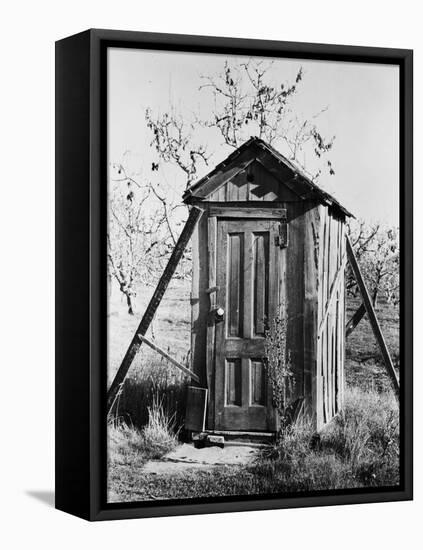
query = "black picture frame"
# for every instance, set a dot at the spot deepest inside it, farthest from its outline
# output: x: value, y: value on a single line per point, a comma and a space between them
x: 81, y: 184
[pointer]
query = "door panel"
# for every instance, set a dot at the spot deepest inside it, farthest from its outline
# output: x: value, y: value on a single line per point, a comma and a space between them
x: 247, y: 282
x: 233, y: 382
x: 260, y: 282
x: 235, y: 274
x: 258, y: 379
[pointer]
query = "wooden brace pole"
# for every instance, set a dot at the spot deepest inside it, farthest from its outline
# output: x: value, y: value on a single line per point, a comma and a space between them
x: 169, y: 358
x: 372, y: 317
x: 134, y: 346
x: 355, y: 320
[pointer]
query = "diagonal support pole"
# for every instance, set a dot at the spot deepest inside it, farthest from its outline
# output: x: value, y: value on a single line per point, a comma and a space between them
x: 164, y: 354
x: 134, y: 346
x: 372, y: 317
x: 355, y: 320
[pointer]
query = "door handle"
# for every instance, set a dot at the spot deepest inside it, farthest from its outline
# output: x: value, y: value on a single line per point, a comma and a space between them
x: 219, y: 313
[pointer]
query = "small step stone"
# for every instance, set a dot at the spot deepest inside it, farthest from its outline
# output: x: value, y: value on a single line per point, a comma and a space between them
x: 202, y: 440
x: 217, y: 440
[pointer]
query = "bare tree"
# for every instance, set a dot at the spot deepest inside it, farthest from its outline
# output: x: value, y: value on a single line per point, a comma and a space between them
x: 247, y: 102
x: 377, y: 251
x: 139, y: 239
x: 174, y: 142
x: 362, y: 236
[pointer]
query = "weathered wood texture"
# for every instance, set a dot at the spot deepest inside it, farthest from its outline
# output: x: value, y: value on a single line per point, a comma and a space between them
x: 273, y: 246
x: 247, y: 211
x: 312, y: 383
x: 246, y: 255
x: 308, y: 288
x: 195, y: 418
x: 355, y: 320
x: 238, y: 181
x: 134, y: 346
x: 256, y: 171
x: 211, y: 237
x: 372, y: 317
x: 292, y: 300
x: 253, y: 183
x: 199, y: 300
x: 331, y: 318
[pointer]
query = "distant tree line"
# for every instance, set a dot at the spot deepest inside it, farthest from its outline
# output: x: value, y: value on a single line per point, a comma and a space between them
x: 376, y: 247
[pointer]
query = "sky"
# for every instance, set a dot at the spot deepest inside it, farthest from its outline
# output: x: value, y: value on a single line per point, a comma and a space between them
x: 362, y: 102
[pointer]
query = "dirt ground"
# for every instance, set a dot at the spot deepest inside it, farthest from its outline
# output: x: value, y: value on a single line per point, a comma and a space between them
x: 187, y: 457
x: 187, y: 472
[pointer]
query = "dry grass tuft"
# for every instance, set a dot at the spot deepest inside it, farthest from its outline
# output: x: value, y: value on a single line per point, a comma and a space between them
x: 160, y: 434
x: 130, y: 448
x: 358, y: 448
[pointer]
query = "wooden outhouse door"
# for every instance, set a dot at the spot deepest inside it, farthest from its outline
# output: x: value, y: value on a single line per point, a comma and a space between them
x: 247, y: 278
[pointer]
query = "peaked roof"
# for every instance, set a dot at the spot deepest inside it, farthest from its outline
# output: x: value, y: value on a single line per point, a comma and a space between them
x: 298, y: 182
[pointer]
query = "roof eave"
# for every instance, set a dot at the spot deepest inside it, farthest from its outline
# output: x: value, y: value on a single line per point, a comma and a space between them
x: 321, y: 195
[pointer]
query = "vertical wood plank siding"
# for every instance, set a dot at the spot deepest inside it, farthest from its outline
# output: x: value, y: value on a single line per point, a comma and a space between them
x: 211, y: 246
x: 199, y: 300
x: 331, y: 334
x: 312, y: 245
x: 311, y: 293
x: 294, y: 262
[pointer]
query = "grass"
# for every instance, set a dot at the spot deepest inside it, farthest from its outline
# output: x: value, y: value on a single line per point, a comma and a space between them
x: 159, y: 435
x: 150, y: 375
x: 170, y: 328
x: 360, y: 448
x: 364, y: 364
x: 130, y: 448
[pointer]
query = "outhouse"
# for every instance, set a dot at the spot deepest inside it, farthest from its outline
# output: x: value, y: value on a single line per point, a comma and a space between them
x: 270, y: 244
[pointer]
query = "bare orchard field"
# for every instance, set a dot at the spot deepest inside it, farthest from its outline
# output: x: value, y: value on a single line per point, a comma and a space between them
x: 150, y: 374
x: 360, y: 448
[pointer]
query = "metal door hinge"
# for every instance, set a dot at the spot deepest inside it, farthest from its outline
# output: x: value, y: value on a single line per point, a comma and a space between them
x: 281, y: 239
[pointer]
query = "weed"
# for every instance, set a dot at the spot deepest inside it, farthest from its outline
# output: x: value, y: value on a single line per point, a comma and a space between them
x: 278, y: 364
x: 359, y: 448
x: 129, y: 448
x: 160, y: 434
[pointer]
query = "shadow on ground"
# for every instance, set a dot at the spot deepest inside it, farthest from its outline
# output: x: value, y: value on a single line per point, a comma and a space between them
x: 46, y: 497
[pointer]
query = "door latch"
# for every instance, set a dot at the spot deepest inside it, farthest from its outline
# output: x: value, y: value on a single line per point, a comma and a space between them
x: 281, y: 239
